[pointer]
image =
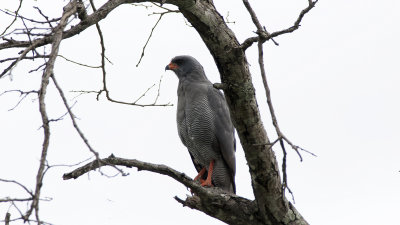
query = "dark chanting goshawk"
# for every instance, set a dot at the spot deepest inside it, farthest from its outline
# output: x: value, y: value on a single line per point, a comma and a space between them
x: 204, y: 125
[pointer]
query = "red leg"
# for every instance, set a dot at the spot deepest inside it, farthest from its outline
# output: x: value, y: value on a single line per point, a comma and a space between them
x: 202, y: 171
x: 207, y: 182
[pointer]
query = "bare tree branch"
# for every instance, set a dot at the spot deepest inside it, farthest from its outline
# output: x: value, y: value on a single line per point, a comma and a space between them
x: 296, y: 25
x: 265, y: 36
x: 26, y: 57
x: 154, y: 27
x: 22, y: 94
x: 72, y: 116
x: 15, y: 199
x: 261, y: 31
x: 28, y: 19
x: 15, y: 18
x: 104, y: 73
x: 89, y: 21
x: 22, y: 56
x: 134, y: 103
x: 148, y: 39
x: 158, y: 90
x: 78, y: 63
x: 19, y: 184
x: 69, y: 10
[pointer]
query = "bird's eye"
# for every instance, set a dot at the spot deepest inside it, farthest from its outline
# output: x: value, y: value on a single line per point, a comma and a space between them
x: 178, y: 62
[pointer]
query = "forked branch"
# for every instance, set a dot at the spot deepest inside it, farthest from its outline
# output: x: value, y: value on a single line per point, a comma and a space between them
x: 263, y: 35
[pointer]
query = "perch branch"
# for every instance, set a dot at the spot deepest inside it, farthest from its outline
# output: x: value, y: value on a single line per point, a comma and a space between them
x: 215, y: 202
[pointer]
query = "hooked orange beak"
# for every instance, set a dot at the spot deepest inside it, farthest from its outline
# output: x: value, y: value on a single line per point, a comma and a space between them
x: 171, y: 66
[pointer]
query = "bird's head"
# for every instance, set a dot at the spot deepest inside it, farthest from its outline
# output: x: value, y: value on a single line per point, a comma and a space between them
x: 186, y: 67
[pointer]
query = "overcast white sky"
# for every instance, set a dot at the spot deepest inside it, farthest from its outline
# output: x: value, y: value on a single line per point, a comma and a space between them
x: 335, y: 87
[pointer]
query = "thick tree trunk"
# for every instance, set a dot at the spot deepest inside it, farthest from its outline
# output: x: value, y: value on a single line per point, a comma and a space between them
x: 239, y: 91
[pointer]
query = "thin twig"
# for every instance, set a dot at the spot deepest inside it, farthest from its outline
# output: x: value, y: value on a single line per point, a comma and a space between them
x: 44, y: 16
x: 26, y: 57
x: 28, y: 34
x: 74, y: 123
x: 23, y: 55
x: 140, y: 97
x: 70, y: 165
x: 24, y: 94
x: 15, y: 18
x: 74, y: 30
x: 72, y: 117
x: 154, y: 27
x: 285, y: 185
x: 261, y: 31
x: 81, y: 92
x: 159, y: 89
x: 165, y: 8
x: 141, y: 105
x: 281, y: 137
x: 103, y: 56
x: 19, y: 184
x: 148, y: 39
x: 15, y: 199
x: 78, y: 63
x: 264, y: 36
x: 28, y: 19
x: 104, y: 74
x: 272, y: 112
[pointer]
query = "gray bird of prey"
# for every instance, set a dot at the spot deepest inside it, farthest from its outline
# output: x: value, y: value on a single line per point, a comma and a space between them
x: 204, y: 125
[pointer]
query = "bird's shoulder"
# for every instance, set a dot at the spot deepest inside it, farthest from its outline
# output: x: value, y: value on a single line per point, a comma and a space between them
x: 217, y: 100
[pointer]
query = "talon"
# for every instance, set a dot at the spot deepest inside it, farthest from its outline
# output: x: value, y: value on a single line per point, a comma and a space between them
x: 198, y: 177
x: 206, y: 184
x: 201, y: 173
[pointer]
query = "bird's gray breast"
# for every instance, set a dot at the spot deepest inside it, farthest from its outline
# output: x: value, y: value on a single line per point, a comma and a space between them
x: 196, y: 127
